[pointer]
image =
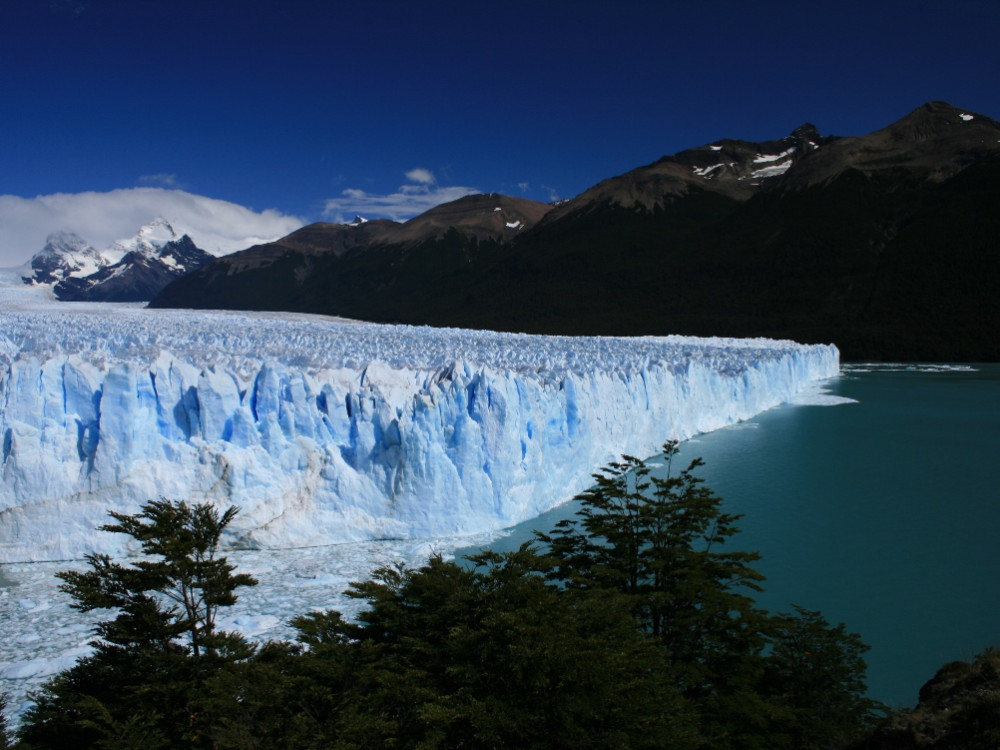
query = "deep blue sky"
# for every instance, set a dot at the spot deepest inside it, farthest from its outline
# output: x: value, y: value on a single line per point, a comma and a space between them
x: 285, y: 105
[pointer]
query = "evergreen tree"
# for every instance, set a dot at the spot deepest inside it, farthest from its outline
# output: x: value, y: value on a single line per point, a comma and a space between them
x: 5, y: 740
x: 174, y: 594
x: 816, y: 672
x: 494, y: 657
x: 658, y: 541
x: 140, y: 686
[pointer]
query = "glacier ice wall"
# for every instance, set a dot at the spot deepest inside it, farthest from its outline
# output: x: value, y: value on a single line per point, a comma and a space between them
x: 325, y: 431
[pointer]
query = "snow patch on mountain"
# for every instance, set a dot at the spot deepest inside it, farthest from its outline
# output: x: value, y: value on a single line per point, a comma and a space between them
x: 706, y: 171
x: 772, y: 171
x: 768, y: 158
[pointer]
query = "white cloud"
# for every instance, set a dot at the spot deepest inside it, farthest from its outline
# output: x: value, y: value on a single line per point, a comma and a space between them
x: 215, y: 225
x: 419, y: 195
x: 421, y: 175
x: 553, y: 193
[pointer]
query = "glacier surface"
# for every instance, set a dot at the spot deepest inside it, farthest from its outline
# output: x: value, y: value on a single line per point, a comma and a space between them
x: 326, y: 431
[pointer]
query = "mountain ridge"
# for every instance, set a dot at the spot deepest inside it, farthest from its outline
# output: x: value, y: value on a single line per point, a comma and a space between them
x: 808, y: 237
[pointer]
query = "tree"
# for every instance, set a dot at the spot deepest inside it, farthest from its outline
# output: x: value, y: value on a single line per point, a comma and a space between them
x: 817, y: 673
x: 5, y: 739
x: 175, y: 594
x: 140, y: 685
x: 493, y: 656
x: 658, y: 540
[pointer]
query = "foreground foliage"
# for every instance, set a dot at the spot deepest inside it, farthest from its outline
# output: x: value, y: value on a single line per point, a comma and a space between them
x: 141, y: 686
x: 631, y: 626
x: 755, y: 680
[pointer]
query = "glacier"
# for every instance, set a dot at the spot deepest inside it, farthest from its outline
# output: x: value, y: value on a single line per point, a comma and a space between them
x: 403, y: 441
x: 325, y: 431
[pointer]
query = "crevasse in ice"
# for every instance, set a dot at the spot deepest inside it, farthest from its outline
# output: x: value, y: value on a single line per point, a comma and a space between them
x: 326, y: 431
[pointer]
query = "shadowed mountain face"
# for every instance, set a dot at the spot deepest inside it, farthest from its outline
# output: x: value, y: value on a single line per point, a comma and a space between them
x: 371, y: 268
x: 886, y: 244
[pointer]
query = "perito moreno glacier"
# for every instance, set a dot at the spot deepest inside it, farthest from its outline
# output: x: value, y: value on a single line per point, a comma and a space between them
x: 326, y: 431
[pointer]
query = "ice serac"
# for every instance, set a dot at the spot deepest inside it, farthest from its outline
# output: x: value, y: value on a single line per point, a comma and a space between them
x: 326, y: 431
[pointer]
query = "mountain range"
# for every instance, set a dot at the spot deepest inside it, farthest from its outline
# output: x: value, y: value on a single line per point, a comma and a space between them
x: 885, y: 244
x: 131, y: 270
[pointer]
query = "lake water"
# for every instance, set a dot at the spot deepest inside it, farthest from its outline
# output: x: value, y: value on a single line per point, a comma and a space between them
x: 884, y: 514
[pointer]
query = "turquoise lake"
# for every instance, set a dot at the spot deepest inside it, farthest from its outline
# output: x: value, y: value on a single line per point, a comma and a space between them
x: 884, y: 513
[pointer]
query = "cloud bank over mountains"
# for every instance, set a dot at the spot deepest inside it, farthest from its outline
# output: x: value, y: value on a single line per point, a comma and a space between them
x: 217, y: 226
x: 420, y: 193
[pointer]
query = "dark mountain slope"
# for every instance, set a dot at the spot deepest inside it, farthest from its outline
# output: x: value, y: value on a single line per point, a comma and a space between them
x: 272, y: 273
x: 604, y: 269
x: 938, y: 280
x: 345, y: 269
x: 934, y: 141
x: 733, y: 168
x: 887, y: 266
x: 492, y: 217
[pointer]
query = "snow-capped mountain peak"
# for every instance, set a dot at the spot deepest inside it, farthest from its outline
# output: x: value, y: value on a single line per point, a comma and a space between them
x: 64, y: 254
x: 157, y: 231
x: 149, y: 240
x: 129, y: 270
x: 65, y: 243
